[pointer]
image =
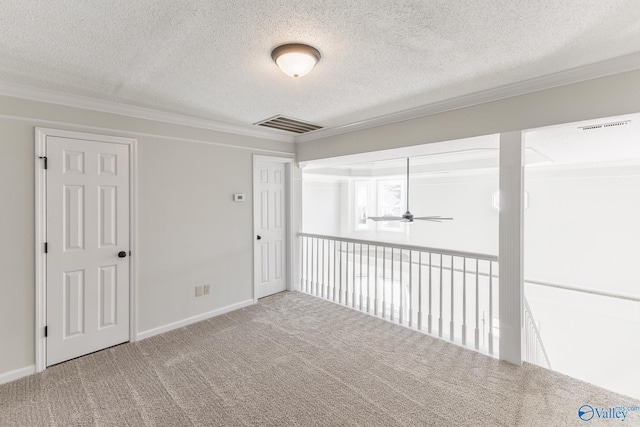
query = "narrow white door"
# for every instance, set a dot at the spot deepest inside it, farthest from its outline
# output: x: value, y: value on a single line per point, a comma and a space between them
x: 88, y: 247
x: 270, y: 218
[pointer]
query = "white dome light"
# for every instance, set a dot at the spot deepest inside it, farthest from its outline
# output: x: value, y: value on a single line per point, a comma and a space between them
x: 295, y: 60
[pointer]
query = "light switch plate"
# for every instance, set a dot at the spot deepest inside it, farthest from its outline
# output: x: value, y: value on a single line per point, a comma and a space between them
x: 238, y: 197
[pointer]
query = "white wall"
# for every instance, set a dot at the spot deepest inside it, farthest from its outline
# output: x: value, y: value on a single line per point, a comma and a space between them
x: 582, y: 230
x: 17, y: 268
x: 190, y: 230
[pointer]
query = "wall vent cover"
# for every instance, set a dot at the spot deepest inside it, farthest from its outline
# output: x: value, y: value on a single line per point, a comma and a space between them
x: 288, y: 124
x: 604, y: 125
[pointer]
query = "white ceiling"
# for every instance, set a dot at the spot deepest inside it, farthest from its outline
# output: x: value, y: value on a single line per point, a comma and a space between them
x: 211, y: 59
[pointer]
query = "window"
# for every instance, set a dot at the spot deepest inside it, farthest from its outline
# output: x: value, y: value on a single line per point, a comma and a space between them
x: 377, y: 198
x: 361, y: 203
x: 390, y: 203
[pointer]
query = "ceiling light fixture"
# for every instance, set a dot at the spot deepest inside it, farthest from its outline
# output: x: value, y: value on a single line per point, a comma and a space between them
x: 295, y: 59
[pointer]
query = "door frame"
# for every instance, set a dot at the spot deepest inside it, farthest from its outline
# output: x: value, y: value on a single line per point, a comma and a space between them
x: 41, y: 135
x: 288, y: 162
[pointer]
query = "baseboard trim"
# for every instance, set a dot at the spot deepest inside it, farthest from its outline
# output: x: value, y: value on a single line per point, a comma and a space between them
x: 190, y: 320
x: 16, y: 374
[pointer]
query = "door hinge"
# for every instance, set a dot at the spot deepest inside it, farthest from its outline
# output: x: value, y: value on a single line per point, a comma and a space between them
x: 46, y: 331
x: 45, y: 160
x: 46, y: 247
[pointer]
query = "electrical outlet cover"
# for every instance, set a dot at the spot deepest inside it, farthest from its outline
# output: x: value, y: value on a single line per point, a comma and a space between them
x: 206, y: 289
x: 198, y: 291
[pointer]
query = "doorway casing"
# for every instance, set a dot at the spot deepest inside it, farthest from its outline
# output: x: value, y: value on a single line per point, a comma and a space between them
x: 289, y: 162
x: 41, y: 135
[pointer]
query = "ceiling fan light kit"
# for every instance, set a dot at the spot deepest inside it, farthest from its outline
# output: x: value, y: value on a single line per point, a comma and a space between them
x: 408, y: 216
x: 295, y: 59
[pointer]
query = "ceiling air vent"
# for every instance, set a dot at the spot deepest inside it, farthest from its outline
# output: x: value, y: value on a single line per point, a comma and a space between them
x: 604, y: 125
x: 288, y: 124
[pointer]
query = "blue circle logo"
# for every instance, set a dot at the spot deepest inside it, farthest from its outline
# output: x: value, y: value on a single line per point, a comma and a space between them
x: 586, y: 412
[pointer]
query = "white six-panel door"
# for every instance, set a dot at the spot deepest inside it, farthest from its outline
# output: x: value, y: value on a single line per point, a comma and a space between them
x: 270, y: 219
x: 87, y: 264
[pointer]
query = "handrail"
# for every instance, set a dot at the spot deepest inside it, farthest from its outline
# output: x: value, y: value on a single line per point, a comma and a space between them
x: 583, y: 290
x: 451, y: 252
x: 536, y: 331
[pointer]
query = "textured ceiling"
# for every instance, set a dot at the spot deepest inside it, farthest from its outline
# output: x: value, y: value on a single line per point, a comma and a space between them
x: 211, y: 59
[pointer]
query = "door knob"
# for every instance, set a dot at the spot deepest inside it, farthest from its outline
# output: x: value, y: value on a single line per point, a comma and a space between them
x: 122, y: 254
x: 259, y: 237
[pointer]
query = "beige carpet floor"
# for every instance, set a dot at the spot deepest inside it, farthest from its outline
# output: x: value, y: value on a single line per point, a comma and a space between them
x: 294, y: 359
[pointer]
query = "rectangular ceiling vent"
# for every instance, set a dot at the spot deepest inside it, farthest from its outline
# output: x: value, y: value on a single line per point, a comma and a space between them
x: 288, y: 124
x: 604, y: 125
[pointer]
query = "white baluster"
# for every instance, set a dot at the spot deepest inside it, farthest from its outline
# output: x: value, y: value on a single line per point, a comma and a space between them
x: 368, y: 279
x: 308, y: 271
x: 401, y: 310
x: 313, y: 265
x: 430, y: 317
x: 464, y: 301
x: 451, y: 327
x: 301, y: 262
x: 335, y: 271
x: 440, y: 316
x: 477, y: 331
x: 375, y: 296
x: 384, y: 282
x: 328, y: 275
x: 323, y: 264
x: 346, y: 275
x: 340, y: 285
x: 410, y: 288
x: 353, y: 283
x: 318, y: 268
x: 317, y: 265
x: 420, y: 290
x: 393, y: 267
x: 360, y: 282
x: 490, y: 307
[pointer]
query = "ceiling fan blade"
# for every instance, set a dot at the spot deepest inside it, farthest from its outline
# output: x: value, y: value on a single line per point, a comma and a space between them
x: 432, y: 218
x: 385, y: 218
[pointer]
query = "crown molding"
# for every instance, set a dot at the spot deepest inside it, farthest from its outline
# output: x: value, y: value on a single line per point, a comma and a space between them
x: 600, y: 69
x: 617, y: 65
x: 53, y: 97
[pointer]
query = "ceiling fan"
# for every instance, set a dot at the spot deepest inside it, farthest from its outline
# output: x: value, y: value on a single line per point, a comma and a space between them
x: 408, y: 216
